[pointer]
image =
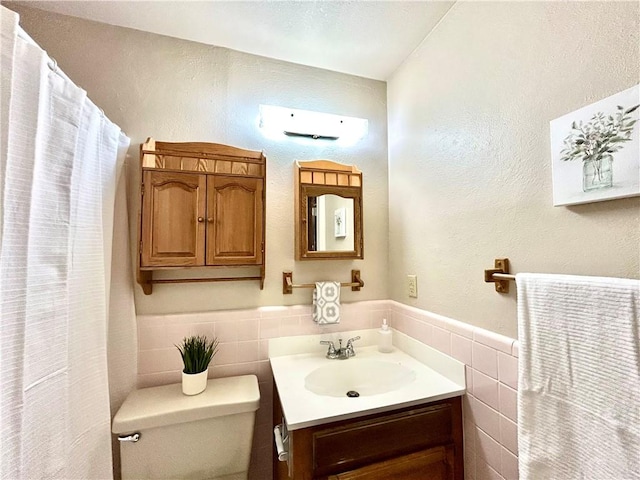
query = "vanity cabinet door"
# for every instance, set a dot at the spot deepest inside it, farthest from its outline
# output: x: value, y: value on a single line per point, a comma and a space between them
x: 432, y: 464
x: 173, y: 219
x: 356, y: 443
x: 422, y: 442
x: 235, y: 211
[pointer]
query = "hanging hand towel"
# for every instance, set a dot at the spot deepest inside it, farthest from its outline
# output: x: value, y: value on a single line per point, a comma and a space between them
x: 326, y: 303
x: 579, y: 377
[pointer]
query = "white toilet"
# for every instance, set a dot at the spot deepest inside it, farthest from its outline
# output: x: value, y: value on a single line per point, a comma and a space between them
x: 167, y: 435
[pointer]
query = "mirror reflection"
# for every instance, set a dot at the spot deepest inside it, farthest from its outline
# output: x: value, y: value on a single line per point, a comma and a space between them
x: 331, y: 223
x: 328, y: 211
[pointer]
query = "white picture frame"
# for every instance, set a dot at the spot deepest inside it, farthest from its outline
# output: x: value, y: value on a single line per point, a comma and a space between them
x: 340, y: 222
x: 595, y: 151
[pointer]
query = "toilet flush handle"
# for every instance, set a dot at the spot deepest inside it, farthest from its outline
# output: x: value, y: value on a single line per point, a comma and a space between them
x: 134, y: 437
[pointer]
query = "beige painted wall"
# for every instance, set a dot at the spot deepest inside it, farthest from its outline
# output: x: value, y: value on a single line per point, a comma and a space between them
x: 469, y: 161
x: 469, y: 168
x: 176, y: 90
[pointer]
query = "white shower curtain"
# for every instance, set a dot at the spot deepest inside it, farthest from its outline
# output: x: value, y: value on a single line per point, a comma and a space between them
x: 60, y: 160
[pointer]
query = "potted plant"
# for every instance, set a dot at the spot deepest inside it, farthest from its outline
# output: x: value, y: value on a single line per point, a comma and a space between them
x: 197, y: 352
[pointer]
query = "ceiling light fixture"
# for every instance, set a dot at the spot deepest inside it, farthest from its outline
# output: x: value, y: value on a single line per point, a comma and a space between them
x: 276, y: 121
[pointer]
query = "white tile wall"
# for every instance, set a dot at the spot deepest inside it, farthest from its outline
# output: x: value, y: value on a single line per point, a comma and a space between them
x: 484, y: 359
x: 489, y: 406
x: 485, y: 388
x: 243, y: 336
x: 490, y: 429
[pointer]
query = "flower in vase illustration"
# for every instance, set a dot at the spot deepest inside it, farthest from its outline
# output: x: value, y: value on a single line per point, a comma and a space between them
x: 595, y: 141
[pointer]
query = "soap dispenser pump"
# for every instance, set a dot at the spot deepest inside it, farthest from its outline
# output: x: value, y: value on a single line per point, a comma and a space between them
x: 385, y: 344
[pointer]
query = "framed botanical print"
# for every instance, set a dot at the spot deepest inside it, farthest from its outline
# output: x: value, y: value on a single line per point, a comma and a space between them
x: 595, y: 151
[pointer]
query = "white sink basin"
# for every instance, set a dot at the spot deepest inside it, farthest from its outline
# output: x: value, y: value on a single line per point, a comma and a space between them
x: 365, y: 377
x: 300, y: 367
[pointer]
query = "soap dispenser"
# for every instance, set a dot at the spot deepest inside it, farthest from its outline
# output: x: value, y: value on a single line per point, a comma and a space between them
x: 385, y: 345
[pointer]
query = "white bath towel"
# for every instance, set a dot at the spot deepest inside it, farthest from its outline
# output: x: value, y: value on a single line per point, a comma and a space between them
x: 579, y: 377
x: 326, y: 303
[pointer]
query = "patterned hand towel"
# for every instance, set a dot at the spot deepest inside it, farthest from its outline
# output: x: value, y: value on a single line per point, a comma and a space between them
x: 326, y: 303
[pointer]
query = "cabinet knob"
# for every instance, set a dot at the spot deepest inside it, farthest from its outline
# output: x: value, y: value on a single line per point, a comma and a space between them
x: 200, y: 219
x: 210, y: 219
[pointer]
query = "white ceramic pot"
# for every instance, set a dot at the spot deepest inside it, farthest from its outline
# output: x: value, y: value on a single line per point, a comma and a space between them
x: 194, y: 383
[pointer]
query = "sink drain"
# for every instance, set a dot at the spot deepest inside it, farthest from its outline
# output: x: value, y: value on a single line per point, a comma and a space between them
x: 352, y: 394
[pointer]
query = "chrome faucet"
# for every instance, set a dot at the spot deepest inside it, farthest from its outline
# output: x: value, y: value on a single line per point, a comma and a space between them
x: 349, y: 351
x: 340, y: 353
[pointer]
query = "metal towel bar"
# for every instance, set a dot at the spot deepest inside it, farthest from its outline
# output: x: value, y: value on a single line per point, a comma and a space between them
x: 287, y: 282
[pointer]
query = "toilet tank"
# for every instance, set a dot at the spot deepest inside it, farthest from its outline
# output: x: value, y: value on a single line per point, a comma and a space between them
x: 204, y: 436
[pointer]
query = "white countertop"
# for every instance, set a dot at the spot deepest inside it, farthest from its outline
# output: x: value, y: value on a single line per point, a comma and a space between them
x: 437, y: 377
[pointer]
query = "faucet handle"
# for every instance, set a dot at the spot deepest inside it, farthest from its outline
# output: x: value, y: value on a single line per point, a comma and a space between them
x: 332, y: 348
x: 351, y: 340
x: 349, y: 350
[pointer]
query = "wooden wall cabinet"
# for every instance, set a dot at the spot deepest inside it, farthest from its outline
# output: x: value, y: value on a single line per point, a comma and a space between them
x: 421, y: 442
x: 202, y: 205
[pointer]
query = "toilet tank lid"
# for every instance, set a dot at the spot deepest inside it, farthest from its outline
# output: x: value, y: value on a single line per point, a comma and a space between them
x: 167, y: 405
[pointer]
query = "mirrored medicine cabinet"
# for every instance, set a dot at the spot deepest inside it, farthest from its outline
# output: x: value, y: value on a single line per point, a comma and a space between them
x: 328, y: 211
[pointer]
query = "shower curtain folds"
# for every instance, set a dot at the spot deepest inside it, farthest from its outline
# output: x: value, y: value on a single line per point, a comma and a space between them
x: 60, y: 161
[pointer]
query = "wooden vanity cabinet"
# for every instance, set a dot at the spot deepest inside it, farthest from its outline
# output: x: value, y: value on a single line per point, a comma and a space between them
x: 421, y: 442
x: 202, y: 205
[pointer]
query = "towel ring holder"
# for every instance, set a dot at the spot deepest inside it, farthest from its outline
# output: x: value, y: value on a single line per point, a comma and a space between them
x: 287, y: 282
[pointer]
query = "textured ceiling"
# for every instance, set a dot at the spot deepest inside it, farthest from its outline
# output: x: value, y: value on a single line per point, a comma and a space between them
x: 366, y: 38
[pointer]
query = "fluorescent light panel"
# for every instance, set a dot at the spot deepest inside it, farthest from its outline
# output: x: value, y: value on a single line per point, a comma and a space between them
x: 279, y: 121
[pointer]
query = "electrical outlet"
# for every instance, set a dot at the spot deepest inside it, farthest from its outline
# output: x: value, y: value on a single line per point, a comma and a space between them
x: 412, y: 289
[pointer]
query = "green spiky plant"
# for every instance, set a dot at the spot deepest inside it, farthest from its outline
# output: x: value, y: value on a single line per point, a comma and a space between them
x: 197, y: 352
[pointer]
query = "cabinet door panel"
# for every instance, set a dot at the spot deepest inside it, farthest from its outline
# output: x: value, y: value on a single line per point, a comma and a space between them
x: 235, y: 218
x: 341, y: 448
x: 173, y: 210
x: 433, y: 464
